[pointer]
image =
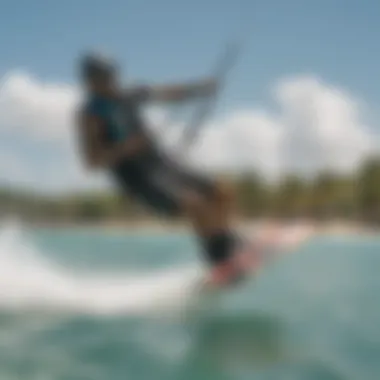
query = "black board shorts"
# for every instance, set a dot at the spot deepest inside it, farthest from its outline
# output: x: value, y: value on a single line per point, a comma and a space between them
x: 160, y: 183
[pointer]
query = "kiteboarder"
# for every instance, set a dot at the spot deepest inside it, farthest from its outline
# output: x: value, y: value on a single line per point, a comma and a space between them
x: 114, y: 136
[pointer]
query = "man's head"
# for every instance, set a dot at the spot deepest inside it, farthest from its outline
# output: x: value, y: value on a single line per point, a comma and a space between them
x: 98, y: 73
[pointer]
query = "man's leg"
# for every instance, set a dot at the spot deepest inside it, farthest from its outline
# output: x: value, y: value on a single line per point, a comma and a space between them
x: 209, y: 209
x: 170, y: 190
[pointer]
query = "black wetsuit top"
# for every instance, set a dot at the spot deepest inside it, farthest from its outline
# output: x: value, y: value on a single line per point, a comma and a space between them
x: 150, y: 177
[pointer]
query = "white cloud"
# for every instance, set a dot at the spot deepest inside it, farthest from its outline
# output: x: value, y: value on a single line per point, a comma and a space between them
x: 40, y: 116
x: 323, y: 126
x: 35, y: 108
x: 315, y: 126
x: 13, y: 170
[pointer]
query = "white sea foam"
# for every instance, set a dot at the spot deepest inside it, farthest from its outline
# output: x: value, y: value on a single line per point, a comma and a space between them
x: 28, y: 280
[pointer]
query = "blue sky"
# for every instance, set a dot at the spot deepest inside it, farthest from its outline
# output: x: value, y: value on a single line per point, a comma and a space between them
x: 173, y: 40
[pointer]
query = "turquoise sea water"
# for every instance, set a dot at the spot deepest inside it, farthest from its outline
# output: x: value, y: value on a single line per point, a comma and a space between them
x: 87, y: 305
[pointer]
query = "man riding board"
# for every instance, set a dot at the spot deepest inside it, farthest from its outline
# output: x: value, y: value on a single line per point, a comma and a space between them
x: 113, y: 136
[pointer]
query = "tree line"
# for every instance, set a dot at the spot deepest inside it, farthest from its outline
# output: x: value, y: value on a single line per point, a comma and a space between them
x: 325, y: 196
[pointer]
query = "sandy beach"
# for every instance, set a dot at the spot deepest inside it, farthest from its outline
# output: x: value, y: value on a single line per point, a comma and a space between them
x: 333, y: 227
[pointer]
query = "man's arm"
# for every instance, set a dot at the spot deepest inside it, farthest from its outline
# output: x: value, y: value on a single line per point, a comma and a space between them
x: 177, y: 92
x: 93, y: 149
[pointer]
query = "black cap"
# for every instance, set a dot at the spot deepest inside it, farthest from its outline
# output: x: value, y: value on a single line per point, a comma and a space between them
x: 93, y: 65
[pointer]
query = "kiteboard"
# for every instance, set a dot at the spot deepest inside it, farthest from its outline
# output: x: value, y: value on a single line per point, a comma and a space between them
x: 255, y: 254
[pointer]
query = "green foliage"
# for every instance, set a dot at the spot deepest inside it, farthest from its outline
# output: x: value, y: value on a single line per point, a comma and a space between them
x: 325, y: 196
x: 368, y: 190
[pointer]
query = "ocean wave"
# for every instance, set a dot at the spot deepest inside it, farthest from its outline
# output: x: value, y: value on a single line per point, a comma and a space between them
x: 28, y: 280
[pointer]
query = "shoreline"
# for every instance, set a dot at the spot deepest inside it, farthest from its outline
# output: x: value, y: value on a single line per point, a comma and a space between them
x: 345, y: 228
